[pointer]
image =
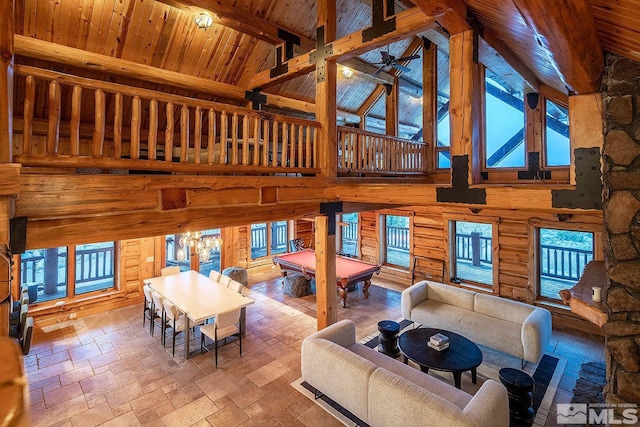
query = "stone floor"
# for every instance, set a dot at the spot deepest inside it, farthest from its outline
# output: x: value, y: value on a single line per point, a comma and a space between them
x: 107, y: 370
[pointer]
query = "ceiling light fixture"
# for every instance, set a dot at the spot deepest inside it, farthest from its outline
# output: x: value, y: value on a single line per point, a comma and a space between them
x: 204, y: 21
x: 201, y: 244
x: 347, y: 72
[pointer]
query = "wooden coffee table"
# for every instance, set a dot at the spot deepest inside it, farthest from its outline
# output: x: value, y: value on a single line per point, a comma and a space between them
x: 462, y: 354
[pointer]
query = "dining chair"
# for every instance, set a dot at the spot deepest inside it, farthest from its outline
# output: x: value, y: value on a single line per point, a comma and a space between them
x: 215, y: 276
x: 225, y: 280
x: 236, y: 286
x: 167, y: 271
x: 175, y: 321
x: 158, y: 312
x: 27, y: 336
x: 147, y: 310
x: 225, y: 325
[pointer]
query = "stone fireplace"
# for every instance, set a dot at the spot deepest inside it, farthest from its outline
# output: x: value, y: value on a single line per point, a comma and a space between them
x: 621, y: 196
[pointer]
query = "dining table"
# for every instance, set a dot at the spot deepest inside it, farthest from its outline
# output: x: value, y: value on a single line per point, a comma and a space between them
x: 199, y: 298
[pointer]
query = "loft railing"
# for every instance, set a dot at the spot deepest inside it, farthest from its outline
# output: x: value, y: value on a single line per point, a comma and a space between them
x: 112, y: 126
x: 362, y: 152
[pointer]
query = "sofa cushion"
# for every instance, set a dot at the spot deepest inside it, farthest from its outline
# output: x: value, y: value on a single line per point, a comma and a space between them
x: 442, y: 389
x: 395, y: 401
x: 435, y: 314
x: 450, y: 295
x: 339, y: 373
x: 491, y: 332
x: 512, y: 311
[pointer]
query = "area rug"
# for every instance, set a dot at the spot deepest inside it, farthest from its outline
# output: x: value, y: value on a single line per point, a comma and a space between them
x: 547, y: 374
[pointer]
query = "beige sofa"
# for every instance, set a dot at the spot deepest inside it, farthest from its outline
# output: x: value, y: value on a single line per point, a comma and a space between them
x: 382, y: 391
x: 516, y: 328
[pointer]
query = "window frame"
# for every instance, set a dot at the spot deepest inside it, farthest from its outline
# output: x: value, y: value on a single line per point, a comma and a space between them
x: 449, y: 250
x: 534, y: 226
x: 445, y: 148
x: 268, y: 241
x: 72, y: 295
x: 544, y: 149
x: 339, y: 236
x: 383, y: 240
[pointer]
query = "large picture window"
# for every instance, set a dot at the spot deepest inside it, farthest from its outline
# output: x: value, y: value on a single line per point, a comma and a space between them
x: 443, y: 128
x: 269, y: 238
x: 49, y: 276
x: 504, y: 119
x: 557, y: 147
x: 396, y: 240
x: 349, y: 235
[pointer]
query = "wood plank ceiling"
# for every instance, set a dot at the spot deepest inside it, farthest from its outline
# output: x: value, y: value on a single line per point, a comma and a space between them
x: 163, y: 34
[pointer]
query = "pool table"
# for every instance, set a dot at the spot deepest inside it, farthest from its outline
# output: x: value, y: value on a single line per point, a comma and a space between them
x: 349, y: 271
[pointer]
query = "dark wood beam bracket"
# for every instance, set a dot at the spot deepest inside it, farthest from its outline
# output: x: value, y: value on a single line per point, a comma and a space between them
x: 320, y: 55
x: 588, y: 191
x: 379, y: 25
x: 459, y: 192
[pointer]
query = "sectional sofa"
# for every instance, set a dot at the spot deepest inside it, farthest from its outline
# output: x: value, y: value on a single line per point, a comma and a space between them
x: 384, y: 392
x: 516, y: 328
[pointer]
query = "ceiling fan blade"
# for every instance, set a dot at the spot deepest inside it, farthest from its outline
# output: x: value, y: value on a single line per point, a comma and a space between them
x: 402, y: 68
x: 379, y: 70
x: 385, y: 56
x: 408, y: 58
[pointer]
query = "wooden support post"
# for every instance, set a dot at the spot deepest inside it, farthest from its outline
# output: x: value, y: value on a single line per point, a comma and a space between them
x: 6, y: 80
x: 465, y: 102
x: 429, y: 101
x: 326, y: 96
x: 585, y: 126
x: 326, y: 271
x: 5, y: 267
x: 391, y: 109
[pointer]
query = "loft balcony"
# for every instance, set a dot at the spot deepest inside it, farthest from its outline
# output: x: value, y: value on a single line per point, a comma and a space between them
x: 83, y: 125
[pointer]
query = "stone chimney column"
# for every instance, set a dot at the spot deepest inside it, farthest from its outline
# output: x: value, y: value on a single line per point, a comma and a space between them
x: 621, y: 197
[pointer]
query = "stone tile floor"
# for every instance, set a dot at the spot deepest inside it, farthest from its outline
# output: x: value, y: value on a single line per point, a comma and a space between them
x: 107, y: 370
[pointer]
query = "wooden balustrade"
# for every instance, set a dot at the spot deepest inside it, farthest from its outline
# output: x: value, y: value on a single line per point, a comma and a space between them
x: 69, y: 121
x: 362, y: 152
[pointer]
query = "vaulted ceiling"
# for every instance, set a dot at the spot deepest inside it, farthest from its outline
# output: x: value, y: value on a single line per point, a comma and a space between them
x: 242, y: 42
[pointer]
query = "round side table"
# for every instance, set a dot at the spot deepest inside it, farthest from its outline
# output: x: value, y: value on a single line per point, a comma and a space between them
x: 519, y: 386
x: 388, y: 338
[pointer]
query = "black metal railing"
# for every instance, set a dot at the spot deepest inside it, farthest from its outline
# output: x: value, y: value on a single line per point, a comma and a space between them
x: 563, y: 263
x: 473, y: 247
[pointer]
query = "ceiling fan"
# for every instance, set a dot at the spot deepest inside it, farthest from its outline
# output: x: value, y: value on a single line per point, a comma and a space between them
x: 388, y: 60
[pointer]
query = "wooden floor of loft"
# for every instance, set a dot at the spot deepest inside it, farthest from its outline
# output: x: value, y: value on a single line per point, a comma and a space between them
x: 106, y: 368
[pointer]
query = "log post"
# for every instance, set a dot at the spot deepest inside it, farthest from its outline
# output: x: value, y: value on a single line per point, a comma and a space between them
x: 391, y: 109
x: 326, y: 95
x: 429, y: 103
x: 325, y: 271
x: 6, y: 80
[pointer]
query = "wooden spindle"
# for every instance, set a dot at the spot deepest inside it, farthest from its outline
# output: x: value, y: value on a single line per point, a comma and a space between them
x: 234, y: 139
x: 197, y: 135
x: 300, y: 146
x: 29, y: 97
x: 275, y: 144
x: 100, y: 118
x: 211, y: 136
x: 152, y: 140
x: 168, y: 133
x: 136, y: 117
x: 285, y: 141
x: 184, y: 133
x: 53, y: 131
x: 308, y: 150
x: 265, y: 142
x: 74, y: 125
x: 224, y: 123
x: 117, y: 126
x: 245, y: 140
x: 256, y: 141
x: 292, y: 145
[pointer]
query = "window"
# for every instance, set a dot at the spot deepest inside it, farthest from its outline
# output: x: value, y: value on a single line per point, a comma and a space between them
x: 269, y: 239
x: 349, y: 235
x: 443, y: 129
x: 472, y: 254
x: 396, y: 240
x: 213, y: 263
x: 172, y: 242
x: 562, y: 255
x: 504, y: 123
x: 49, y: 275
x: 95, y: 267
x: 558, y: 151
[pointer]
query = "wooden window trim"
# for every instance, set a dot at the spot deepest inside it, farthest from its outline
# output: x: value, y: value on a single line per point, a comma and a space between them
x: 495, y: 250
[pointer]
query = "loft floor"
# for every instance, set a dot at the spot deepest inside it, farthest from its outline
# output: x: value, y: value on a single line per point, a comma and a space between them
x: 107, y: 369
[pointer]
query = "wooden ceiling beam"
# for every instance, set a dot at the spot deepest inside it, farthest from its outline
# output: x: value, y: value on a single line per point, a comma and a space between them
x: 262, y: 29
x: 408, y: 23
x: 59, y: 54
x: 568, y: 33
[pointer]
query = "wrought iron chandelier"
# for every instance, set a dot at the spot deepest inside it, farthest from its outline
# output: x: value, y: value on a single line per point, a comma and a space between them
x: 201, y: 245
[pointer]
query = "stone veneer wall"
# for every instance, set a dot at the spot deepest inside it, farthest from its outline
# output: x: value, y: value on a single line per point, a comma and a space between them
x: 621, y: 196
